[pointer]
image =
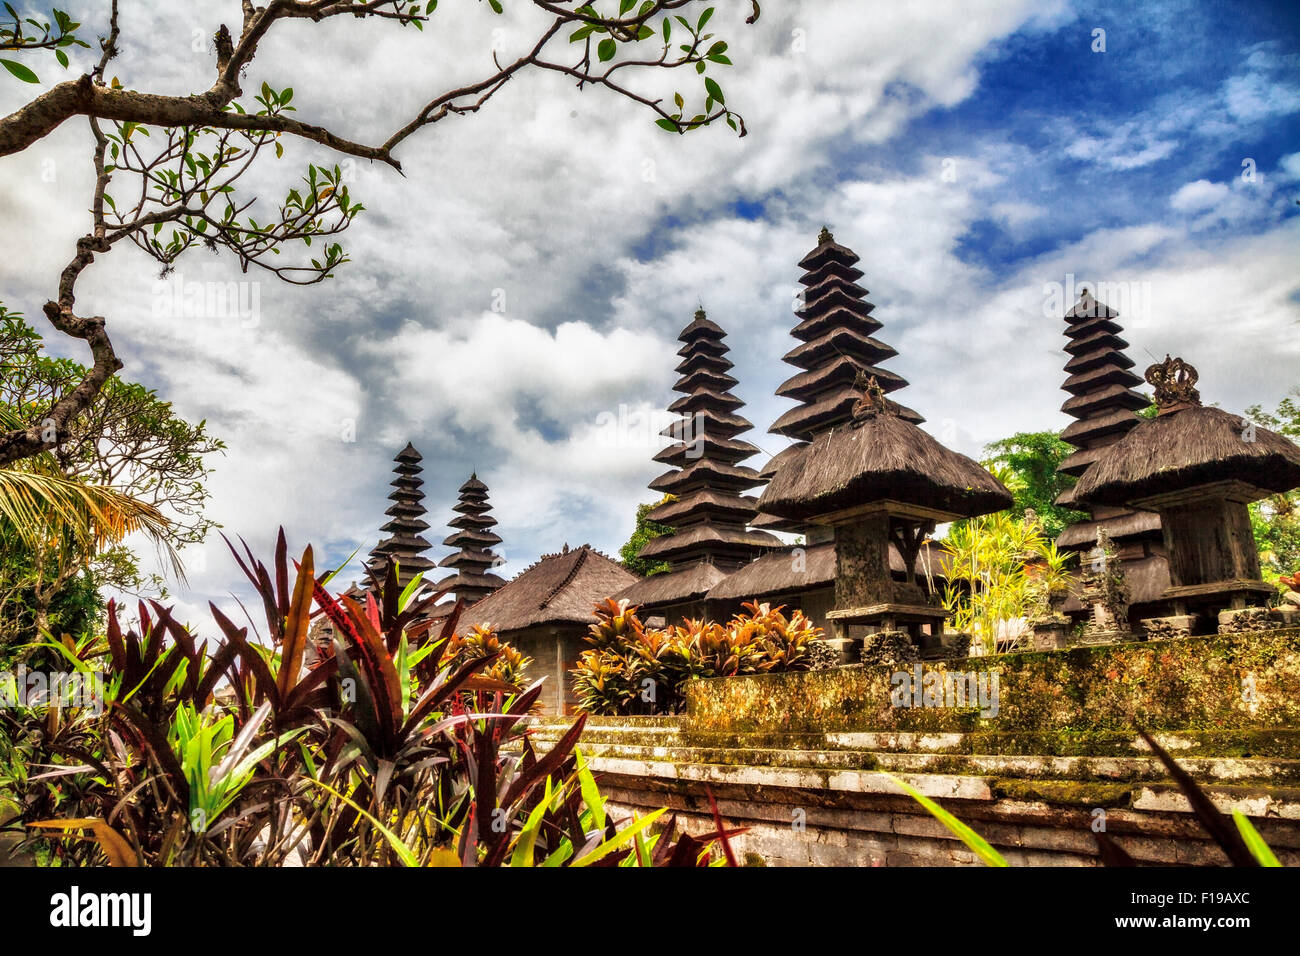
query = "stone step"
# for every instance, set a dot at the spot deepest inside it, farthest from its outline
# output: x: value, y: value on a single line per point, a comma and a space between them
x: 1252, y: 798
x: 1103, y: 770
x: 1274, y: 744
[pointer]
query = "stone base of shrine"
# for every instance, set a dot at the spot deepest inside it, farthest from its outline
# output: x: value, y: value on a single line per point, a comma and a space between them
x: 1244, y: 620
x: 1091, y: 638
x: 1173, y: 626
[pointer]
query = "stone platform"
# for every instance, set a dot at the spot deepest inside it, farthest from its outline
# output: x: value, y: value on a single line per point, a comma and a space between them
x: 798, y: 758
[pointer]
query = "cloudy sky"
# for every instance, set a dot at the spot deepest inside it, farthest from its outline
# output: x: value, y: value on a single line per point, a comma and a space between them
x: 514, y: 301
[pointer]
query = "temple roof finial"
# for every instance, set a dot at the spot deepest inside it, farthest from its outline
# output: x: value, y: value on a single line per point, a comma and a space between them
x: 1174, y: 382
x: 825, y: 236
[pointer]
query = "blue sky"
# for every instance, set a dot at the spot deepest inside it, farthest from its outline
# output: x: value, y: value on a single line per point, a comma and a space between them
x: 513, y: 303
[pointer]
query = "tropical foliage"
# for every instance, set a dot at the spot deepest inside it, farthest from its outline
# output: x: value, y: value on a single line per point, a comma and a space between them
x: 645, y: 532
x: 1004, y: 571
x: 632, y: 669
x: 1276, y: 519
x: 238, y: 753
x: 127, y: 464
x: 1026, y: 463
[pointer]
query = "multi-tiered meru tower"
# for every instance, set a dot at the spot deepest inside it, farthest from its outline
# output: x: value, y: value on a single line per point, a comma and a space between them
x: 1104, y: 405
x: 709, y: 513
x: 404, y: 546
x: 473, y: 538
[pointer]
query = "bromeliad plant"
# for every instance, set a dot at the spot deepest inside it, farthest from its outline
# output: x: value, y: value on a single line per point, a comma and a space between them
x: 396, y: 746
x: 632, y: 669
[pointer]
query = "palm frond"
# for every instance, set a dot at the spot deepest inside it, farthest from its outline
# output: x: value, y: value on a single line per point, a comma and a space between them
x: 41, y: 506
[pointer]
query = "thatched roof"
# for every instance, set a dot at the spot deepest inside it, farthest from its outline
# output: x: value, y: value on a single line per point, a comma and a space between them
x: 674, y: 586
x: 880, y: 456
x: 559, y: 589
x: 1084, y: 533
x: 1187, y: 448
x: 707, y: 538
x: 777, y: 573
x: 785, y: 455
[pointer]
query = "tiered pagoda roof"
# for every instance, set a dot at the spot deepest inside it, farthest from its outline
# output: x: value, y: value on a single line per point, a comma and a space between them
x: 404, y: 546
x: 1100, y: 384
x: 835, y: 331
x: 472, y: 537
x: 1103, y: 403
x: 708, y: 511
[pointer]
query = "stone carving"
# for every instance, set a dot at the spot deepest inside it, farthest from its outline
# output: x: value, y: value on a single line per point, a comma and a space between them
x: 1246, y: 619
x: 1174, y: 382
x: 823, y: 655
x: 890, y: 648
x: 1104, y: 586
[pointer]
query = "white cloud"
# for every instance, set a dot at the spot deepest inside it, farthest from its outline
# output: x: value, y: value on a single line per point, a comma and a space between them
x: 558, y: 200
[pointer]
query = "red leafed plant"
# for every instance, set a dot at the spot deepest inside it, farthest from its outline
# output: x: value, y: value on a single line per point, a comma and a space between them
x: 396, y: 746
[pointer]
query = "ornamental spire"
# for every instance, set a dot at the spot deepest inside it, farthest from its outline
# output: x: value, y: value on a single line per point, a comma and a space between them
x: 472, y: 537
x: 835, y: 333
x: 404, y: 546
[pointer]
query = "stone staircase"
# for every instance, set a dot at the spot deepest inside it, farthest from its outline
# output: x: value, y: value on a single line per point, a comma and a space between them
x: 822, y: 797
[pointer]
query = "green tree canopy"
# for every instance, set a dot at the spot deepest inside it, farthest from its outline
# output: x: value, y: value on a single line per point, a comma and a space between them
x: 1276, y: 519
x: 1027, y: 462
x: 644, y: 532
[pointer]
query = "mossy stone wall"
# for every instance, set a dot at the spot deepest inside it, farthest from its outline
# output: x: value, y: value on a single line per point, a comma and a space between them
x: 1239, y: 682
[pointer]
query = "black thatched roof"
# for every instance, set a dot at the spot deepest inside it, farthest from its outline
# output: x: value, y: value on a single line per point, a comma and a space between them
x: 673, y: 587
x: 404, y: 546
x: 777, y: 574
x: 472, y: 581
x: 880, y: 456
x: 1187, y: 448
x: 559, y: 589
x: 835, y: 331
x: 1083, y: 535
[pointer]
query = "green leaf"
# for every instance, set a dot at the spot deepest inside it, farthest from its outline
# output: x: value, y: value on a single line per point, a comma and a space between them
x: 699, y: 67
x: 964, y: 833
x: 715, y: 91
x: 62, y: 58
x: 1254, y: 842
x: 20, y: 71
x: 624, y: 6
x: 430, y: 6
x: 719, y: 58
x: 582, y: 33
x: 606, y: 49
x: 495, y: 5
x: 704, y: 18
x: 623, y: 836
x: 590, y: 792
x: 666, y: 124
x: 668, y: 29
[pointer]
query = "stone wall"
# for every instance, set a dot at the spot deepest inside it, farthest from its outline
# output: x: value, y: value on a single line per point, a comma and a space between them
x: 801, y: 760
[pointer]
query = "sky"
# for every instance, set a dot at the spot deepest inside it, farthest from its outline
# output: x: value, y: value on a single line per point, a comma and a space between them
x: 513, y: 301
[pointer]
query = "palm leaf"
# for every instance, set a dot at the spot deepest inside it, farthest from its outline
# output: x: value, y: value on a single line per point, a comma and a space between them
x: 41, y: 506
